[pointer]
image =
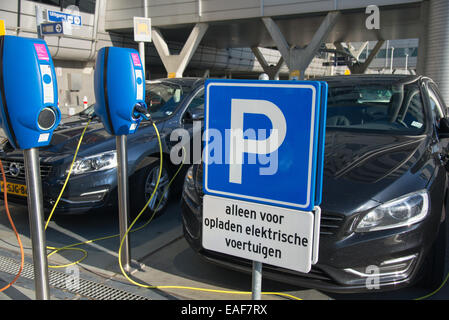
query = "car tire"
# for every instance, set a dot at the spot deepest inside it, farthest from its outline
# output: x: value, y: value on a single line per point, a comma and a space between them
x: 435, y: 267
x: 142, y: 185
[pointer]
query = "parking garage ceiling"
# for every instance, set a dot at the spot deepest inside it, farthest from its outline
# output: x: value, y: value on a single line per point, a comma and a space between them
x: 396, y: 22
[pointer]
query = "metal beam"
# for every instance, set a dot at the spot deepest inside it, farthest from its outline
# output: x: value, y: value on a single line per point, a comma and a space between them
x: 271, y: 70
x: 321, y: 34
x: 277, y: 36
x: 372, y: 55
x: 359, y: 67
x: 298, y: 59
x: 176, y: 64
x: 356, y: 52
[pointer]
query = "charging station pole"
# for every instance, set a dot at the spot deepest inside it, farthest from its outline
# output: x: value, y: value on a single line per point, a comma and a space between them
x: 36, y: 216
x: 119, y: 86
x: 26, y: 66
x: 123, y: 196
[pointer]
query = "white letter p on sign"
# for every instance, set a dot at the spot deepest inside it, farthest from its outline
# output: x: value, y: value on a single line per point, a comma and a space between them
x: 239, y: 145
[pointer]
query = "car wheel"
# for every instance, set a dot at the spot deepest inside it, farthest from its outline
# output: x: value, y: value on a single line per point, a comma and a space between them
x: 142, y: 187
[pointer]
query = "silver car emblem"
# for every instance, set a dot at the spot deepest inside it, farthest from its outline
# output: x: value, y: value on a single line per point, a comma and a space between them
x: 14, y: 169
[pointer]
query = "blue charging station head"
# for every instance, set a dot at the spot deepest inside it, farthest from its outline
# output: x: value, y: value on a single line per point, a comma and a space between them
x: 29, y: 95
x: 119, y: 86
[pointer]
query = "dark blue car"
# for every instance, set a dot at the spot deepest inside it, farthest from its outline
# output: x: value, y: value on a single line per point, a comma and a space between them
x: 174, y: 103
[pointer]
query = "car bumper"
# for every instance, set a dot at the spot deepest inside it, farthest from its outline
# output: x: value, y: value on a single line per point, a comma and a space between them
x: 357, y: 263
x: 83, y: 193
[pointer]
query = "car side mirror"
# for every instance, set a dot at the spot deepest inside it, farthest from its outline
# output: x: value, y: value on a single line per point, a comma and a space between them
x: 190, y: 116
x: 443, y: 130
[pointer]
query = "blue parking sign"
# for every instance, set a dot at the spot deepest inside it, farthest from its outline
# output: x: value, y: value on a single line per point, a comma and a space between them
x: 265, y: 141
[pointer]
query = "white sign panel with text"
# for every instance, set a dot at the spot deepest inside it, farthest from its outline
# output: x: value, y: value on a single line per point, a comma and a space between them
x: 273, y: 235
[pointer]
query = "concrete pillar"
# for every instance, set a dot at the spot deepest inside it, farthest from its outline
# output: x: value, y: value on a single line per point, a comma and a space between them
x: 422, y: 40
x: 298, y: 59
x: 176, y: 64
x: 437, y: 57
x: 271, y: 70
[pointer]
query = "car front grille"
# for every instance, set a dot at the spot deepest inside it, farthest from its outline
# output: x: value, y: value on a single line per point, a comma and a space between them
x: 330, y: 223
x: 10, y: 166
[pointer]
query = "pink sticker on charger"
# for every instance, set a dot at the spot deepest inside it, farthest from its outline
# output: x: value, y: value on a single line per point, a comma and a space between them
x: 136, y: 59
x: 41, y: 51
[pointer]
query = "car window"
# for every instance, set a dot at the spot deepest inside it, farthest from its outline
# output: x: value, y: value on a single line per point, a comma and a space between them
x: 196, y: 106
x: 383, y: 107
x: 163, y: 99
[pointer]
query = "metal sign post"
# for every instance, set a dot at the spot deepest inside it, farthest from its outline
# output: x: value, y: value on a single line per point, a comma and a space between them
x: 142, y: 34
x: 123, y: 197
x: 39, y: 20
x: 257, y: 281
x: 36, y: 214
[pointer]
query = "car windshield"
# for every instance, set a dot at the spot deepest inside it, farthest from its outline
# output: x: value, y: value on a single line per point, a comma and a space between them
x: 163, y: 98
x: 88, y: 111
x: 392, y: 108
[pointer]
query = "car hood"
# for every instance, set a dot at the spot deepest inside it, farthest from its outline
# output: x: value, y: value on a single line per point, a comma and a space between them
x: 72, y: 121
x: 66, y: 136
x: 65, y: 139
x: 362, y: 170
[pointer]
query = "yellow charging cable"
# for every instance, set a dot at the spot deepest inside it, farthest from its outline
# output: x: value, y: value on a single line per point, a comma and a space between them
x: 177, y: 287
x: 436, y: 290
x: 56, y: 204
x: 68, y: 174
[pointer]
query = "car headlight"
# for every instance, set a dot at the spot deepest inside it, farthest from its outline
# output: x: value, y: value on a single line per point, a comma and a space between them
x: 98, y: 162
x: 403, y: 211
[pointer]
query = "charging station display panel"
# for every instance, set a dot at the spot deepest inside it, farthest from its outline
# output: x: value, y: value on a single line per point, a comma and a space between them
x: 264, y: 142
x: 29, y: 94
x: 119, y: 85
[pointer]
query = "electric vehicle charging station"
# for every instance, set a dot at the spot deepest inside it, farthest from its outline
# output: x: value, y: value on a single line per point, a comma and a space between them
x: 119, y: 85
x: 268, y: 215
x: 28, y: 116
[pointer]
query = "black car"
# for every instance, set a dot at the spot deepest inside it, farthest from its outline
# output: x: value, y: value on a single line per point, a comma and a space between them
x: 173, y: 104
x: 383, y: 222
